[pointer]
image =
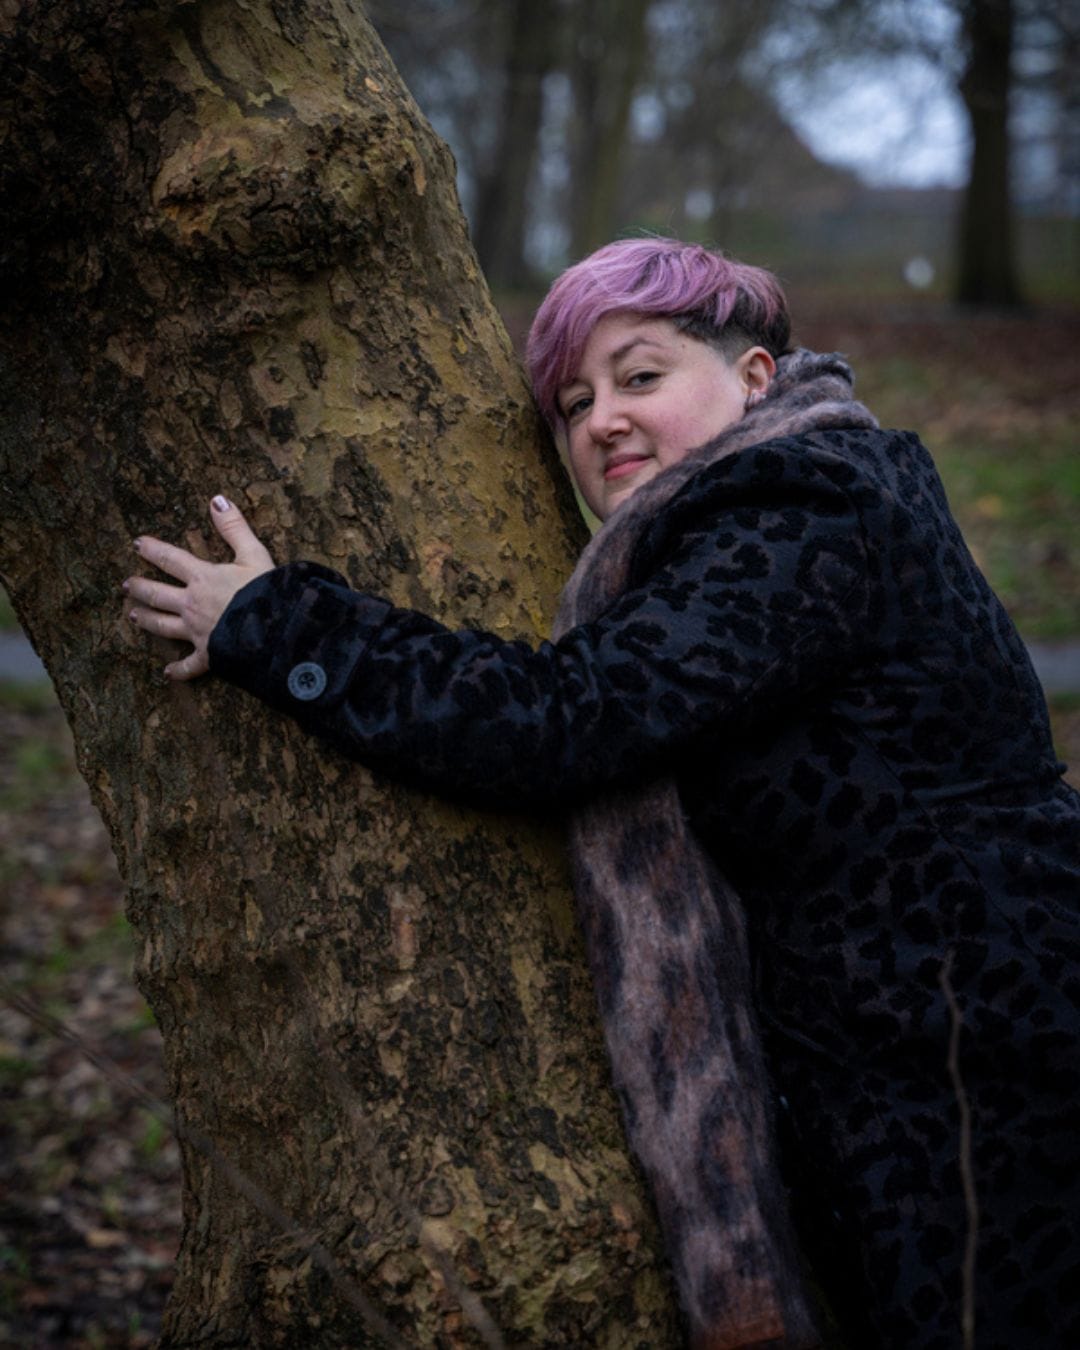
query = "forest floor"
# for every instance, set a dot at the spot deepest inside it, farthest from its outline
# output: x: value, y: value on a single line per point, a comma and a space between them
x: 89, y: 1177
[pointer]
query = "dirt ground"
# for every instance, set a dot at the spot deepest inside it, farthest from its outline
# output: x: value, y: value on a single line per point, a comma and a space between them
x: 89, y: 1178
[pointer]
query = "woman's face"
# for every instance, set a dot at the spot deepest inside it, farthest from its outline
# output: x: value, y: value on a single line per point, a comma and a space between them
x: 644, y: 396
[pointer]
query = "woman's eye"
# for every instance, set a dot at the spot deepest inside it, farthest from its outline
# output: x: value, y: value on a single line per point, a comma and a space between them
x: 576, y: 407
x: 642, y: 377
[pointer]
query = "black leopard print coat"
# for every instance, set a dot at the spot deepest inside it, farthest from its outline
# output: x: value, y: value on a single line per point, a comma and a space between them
x: 859, y: 741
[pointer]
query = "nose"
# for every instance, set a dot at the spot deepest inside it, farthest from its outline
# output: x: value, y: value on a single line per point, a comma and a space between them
x: 606, y: 420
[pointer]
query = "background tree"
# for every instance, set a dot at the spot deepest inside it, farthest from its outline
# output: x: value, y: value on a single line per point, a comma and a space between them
x: 608, y: 49
x: 233, y: 260
x: 986, y: 271
x: 972, y: 42
x: 503, y: 189
x: 560, y: 71
x: 677, y: 115
x: 1046, y: 142
x: 708, y: 136
x: 573, y: 121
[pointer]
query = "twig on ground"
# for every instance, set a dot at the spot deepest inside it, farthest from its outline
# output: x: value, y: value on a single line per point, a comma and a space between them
x: 971, y: 1202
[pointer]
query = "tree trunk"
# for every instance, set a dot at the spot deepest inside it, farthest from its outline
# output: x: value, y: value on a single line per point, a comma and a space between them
x: 606, y: 66
x: 234, y: 262
x: 502, y: 211
x: 986, y: 274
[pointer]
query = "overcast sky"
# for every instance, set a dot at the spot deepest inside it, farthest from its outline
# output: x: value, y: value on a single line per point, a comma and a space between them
x: 897, y: 120
x: 901, y: 126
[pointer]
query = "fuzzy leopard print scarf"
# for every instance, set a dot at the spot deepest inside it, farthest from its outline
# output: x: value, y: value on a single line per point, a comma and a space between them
x: 667, y: 948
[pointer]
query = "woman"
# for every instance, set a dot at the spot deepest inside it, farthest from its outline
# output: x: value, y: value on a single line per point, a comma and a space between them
x: 779, y: 640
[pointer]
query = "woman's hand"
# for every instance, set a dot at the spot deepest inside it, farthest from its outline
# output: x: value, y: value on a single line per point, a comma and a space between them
x: 189, y: 612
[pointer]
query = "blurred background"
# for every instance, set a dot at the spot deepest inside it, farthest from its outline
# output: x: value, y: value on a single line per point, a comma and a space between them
x: 855, y: 144
x: 910, y: 168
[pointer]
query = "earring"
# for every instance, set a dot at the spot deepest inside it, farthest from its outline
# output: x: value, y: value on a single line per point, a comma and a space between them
x: 753, y: 398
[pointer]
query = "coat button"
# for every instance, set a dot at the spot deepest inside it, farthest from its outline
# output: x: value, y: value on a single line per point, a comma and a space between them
x: 306, y: 681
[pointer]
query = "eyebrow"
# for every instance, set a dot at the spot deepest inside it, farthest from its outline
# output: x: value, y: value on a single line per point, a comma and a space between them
x: 617, y: 355
x: 633, y: 342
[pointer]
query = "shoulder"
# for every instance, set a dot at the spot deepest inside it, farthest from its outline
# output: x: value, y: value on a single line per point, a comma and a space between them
x: 790, y: 487
x: 845, y: 458
x: 863, y: 470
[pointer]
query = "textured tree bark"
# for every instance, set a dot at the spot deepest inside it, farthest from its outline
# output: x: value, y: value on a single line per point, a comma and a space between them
x: 235, y: 262
x: 986, y: 273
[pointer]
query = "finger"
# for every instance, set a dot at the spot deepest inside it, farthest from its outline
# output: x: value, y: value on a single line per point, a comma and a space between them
x: 155, y: 594
x: 161, y: 625
x: 177, y: 562
x: 241, y: 538
x: 189, y: 667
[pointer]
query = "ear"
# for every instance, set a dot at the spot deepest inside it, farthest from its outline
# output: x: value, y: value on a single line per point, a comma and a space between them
x: 755, y: 368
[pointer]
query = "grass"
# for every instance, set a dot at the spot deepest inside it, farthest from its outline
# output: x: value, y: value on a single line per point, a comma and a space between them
x: 1001, y: 428
x: 154, y: 1136
x: 57, y: 871
x: 39, y: 765
x: 1019, y: 513
x: 30, y: 697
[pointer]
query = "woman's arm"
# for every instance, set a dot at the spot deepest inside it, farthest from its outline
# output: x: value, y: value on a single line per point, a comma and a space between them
x: 757, y: 603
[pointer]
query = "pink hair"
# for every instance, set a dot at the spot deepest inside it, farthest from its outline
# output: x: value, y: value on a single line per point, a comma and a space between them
x: 725, y: 303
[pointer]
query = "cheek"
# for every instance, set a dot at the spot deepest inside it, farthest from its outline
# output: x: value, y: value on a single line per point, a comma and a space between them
x: 576, y: 464
x: 724, y: 410
x: 584, y: 472
x: 697, y: 427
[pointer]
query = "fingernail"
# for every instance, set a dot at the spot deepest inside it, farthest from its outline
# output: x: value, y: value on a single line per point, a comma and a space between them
x: 124, y: 587
x: 136, y: 544
x: 131, y: 616
x: 220, y: 504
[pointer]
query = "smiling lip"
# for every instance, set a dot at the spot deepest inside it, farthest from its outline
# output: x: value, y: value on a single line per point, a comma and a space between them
x: 619, y: 468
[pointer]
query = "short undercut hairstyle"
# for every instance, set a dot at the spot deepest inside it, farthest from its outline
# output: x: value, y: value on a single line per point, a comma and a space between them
x: 730, y: 305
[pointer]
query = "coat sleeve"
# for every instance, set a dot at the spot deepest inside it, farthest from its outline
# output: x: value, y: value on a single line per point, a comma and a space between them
x: 749, y: 596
